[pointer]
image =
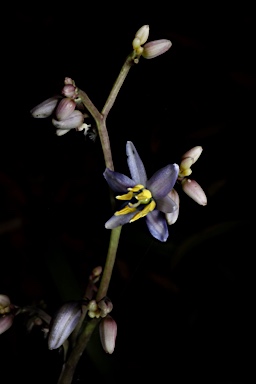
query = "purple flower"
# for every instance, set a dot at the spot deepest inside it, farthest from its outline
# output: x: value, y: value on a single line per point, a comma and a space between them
x: 143, y: 197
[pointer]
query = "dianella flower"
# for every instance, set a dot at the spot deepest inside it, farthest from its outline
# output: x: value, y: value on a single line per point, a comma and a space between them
x: 143, y: 197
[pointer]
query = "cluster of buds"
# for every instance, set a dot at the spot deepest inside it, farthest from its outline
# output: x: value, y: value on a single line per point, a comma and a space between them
x: 189, y: 186
x: 151, y: 49
x: 66, y: 110
x: 6, y: 313
x: 100, y: 309
x: 69, y: 315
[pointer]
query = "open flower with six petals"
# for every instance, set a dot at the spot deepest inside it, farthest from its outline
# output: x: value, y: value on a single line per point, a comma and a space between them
x: 143, y: 197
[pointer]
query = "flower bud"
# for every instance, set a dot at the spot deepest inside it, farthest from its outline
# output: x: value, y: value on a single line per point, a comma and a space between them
x: 73, y: 121
x: 172, y: 217
x: 193, y: 154
x: 63, y: 324
x: 46, y: 108
x: 194, y: 190
x: 156, y: 48
x: 69, y: 90
x: 4, y: 304
x: 136, y: 43
x: 186, y: 163
x: 108, y: 332
x: 5, y: 323
x: 105, y: 306
x: 64, y: 109
x: 97, y: 271
x: 68, y: 80
x: 143, y: 34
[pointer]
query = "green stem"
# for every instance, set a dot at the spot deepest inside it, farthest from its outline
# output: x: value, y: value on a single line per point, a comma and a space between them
x: 69, y: 367
x: 118, y: 84
x: 109, y: 264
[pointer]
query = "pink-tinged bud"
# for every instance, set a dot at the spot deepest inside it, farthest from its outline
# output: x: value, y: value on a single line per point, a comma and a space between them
x: 193, y: 154
x: 142, y: 34
x: 69, y: 90
x: 46, y: 108
x: 108, y: 332
x: 75, y: 120
x: 194, y: 190
x: 64, y: 109
x: 5, y: 323
x: 156, y: 48
x: 68, y: 80
x: 63, y: 324
x: 172, y: 217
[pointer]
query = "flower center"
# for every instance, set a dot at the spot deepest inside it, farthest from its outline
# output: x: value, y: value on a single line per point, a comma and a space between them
x: 141, y: 197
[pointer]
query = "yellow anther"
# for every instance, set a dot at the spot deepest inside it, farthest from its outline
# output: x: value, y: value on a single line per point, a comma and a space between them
x: 144, y: 196
x: 136, y: 188
x: 125, y: 210
x: 148, y: 208
x: 127, y: 196
x: 130, y: 194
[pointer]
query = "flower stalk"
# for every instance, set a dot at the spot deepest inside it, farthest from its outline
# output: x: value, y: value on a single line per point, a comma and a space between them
x: 100, y: 120
x: 154, y: 199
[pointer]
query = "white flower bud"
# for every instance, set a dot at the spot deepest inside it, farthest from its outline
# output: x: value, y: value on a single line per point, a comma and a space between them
x: 63, y: 324
x: 136, y: 43
x: 186, y: 162
x: 108, y: 332
x: 75, y: 120
x: 156, y: 48
x: 142, y: 34
x: 46, y: 108
x: 193, y: 153
x: 194, y: 190
x: 64, y: 109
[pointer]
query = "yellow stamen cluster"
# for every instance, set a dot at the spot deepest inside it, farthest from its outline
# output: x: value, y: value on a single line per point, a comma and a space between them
x: 143, y: 195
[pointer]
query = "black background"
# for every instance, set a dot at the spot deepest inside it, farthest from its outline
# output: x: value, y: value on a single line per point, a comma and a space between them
x: 184, y: 308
